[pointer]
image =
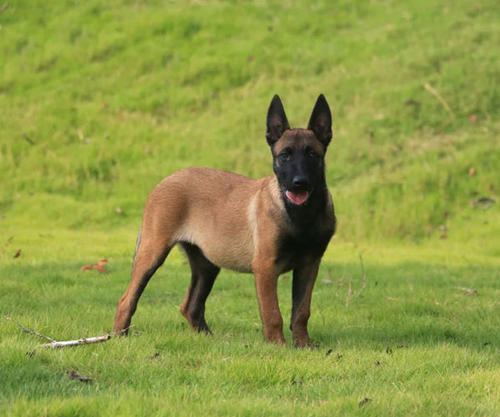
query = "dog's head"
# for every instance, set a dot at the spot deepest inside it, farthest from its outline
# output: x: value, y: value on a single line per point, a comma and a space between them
x: 298, y: 154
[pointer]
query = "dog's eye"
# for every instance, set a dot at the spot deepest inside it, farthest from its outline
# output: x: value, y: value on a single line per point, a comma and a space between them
x: 284, y: 156
x: 310, y: 152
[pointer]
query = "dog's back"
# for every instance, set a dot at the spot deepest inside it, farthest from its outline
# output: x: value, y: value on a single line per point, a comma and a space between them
x: 212, y: 209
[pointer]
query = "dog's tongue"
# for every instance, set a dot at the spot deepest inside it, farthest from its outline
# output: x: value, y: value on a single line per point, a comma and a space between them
x: 297, y: 197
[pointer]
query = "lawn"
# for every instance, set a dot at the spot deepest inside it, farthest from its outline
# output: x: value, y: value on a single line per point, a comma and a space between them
x: 98, y: 102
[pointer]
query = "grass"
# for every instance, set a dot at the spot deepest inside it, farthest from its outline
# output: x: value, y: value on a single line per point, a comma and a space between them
x: 426, y: 349
x: 101, y: 101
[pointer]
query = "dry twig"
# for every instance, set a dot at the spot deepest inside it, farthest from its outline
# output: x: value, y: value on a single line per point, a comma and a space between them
x: 352, y: 294
x: 75, y: 375
x: 468, y: 291
x: 443, y: 102
x: 82, y: 341
x: 60, y: 344
x: 28, y: 331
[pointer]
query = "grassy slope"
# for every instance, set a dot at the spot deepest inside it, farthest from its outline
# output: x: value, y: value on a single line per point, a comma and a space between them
x: 99, y: 102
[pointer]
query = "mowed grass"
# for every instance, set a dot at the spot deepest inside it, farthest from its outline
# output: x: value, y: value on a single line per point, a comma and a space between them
x: 406, y: 336
x: 99, y: 101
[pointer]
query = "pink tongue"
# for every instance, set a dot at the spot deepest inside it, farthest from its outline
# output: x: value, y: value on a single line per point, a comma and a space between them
x: 298, y: 197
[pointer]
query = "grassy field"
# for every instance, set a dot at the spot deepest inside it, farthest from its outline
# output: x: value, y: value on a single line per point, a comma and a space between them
x: 99, y: 101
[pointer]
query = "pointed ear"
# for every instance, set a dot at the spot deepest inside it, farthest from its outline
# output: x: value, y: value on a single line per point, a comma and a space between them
x: 277, y: 122
x: 321, y: 121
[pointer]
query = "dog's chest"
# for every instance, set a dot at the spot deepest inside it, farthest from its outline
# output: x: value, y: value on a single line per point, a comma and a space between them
x: 293, y: 248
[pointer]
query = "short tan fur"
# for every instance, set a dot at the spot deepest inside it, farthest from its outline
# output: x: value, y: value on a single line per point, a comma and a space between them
x: 225, y: 220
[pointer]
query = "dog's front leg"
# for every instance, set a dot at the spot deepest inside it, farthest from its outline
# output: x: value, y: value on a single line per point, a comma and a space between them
x: 266, y: 282
x: 304, y: 277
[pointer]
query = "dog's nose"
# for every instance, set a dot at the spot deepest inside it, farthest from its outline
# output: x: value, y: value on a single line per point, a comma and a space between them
x: 300, y: 181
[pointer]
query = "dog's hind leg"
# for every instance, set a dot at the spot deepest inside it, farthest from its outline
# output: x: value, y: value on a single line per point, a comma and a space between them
x: 152, y: 249
x: 203, y: 274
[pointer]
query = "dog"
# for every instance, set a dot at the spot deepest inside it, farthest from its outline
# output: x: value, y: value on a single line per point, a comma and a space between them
x: 266, y: 226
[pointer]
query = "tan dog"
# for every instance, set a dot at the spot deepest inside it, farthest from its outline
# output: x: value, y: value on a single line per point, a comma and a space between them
x: 224, y: 220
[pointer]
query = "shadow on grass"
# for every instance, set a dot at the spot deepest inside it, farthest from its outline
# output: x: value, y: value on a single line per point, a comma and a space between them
x: 409, y: 304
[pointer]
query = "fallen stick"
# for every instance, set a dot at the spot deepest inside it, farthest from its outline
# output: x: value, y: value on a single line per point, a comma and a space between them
x: 82, y: 341
x: 54, y: 344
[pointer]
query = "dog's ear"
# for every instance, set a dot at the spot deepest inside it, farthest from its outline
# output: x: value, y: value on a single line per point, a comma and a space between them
x: 321, y: 121
x: 277, y: 122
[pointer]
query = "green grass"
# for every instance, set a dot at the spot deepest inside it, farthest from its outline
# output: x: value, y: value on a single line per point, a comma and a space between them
x: 99, y: 101
x: 410, y: 340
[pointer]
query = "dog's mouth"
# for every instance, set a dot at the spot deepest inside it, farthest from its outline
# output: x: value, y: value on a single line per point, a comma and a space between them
x: 297, y: 197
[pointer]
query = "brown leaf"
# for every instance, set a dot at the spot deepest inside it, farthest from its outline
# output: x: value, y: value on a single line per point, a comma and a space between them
x: 18, y: 253
x: 364, y: 401
x: 76, y: 376
x: 102, y: 262
x: 472, y: 171
x: 99, y: 268
x: 468, y: 291
x: 483, y: 202
x: 473, y: 118
x: 86, y: 267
